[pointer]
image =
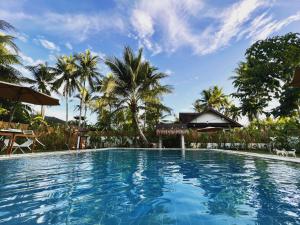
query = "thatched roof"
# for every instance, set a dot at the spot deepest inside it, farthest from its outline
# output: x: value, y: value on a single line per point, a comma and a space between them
x: 171, y: 129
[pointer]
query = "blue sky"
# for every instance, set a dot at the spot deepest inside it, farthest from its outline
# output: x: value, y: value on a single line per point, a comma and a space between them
x: 197, y: 42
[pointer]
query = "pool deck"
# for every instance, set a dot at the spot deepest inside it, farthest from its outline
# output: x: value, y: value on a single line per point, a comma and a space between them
x: 56, y: 153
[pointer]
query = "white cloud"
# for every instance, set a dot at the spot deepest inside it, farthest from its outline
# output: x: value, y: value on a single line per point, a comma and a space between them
x: 169, y: 17
x: 162, y: 25
x: 80, y: 26
x: 169, y: 72
x: 271, y: 27
x: 101, y: 55
x: 234, y: 20
x: 158, y: 29
x: 49, y: 45
x: 69, y: 46
x: 27, y: 60
x: 22, y: 36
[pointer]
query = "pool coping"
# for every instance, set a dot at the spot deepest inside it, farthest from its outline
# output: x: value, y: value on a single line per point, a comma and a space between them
x: 55, y: 153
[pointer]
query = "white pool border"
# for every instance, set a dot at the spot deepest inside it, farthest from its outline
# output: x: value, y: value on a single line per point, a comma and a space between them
x: 56, y: 153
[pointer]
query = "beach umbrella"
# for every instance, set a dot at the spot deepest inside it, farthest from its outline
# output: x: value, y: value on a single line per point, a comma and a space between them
x: 18, y: 93
x: 296, y: 79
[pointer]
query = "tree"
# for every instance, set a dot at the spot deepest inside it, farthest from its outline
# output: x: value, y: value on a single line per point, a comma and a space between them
x: 265, y: 75
x: 87, y: 99
x: 87, y: 69
x: 212, y: 97
x: 137, y: 85
x: 67, y: 73
x: 8, y: 56
x: 43, y: 78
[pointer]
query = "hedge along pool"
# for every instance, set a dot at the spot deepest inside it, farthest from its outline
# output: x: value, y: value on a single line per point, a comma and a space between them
x: 123, y: 186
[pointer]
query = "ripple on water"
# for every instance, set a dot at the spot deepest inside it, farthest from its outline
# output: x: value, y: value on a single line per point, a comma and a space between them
x: 149, y: 187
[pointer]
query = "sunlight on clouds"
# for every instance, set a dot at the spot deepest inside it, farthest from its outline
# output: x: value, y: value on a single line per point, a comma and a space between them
x: 173, y: 28
x: 160, y: 25
x: 49, y: 45
x: 274, y: 26
x: 234, y: 19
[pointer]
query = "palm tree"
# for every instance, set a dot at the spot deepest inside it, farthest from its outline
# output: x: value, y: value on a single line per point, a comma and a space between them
x: 105, y: 103
x: 67, y: 71
x: 212, y: 97
x: 233, y: 112
x: 43, y: 77
x: 87, y: 69
x: 87, y: 99
x: 8, y: 56
x: 137, y: 85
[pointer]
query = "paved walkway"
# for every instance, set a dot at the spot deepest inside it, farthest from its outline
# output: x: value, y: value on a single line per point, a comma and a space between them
x: 266, y: 156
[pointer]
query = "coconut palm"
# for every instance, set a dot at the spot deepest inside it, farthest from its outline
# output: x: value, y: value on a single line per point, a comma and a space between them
x: 67, y: 73
x: 137, y: 85
x: 104, y: 104
x: 8, y: 55
x: 43, y: 77
x: 88, y: 74
x: 212, y: 97
x: 87, y: 99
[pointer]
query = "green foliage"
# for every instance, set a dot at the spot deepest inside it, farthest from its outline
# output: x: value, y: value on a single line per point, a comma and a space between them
x: 54, y: 139
x: 136, y: 86
x: 212, y: 97
x: 283, y: 132
x: 3, y: 111
x: 266, y: 74
x: 38, y: 123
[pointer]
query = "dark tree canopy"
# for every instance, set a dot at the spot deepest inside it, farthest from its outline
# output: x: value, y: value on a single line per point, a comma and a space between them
x: 266, y: 74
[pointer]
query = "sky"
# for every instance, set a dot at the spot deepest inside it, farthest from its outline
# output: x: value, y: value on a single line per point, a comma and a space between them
x: 198, y: 43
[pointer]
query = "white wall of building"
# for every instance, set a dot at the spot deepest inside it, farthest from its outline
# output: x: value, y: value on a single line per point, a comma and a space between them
x: 209, y: 118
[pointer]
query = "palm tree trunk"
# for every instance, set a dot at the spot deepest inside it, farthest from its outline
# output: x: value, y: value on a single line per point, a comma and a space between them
x: 85, y: 111
x: 80, y: 112
x: 139, y: 129
x: 43, y: 111
x: 81, y: 104
x: 67, y: 110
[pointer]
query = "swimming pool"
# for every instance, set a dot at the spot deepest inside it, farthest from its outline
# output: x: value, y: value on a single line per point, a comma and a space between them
x: 149, y: 187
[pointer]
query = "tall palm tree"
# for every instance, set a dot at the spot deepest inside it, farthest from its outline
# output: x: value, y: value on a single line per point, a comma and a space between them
x: 43, y: 78
x: 87, y: 69
x: 212, y: 97
x: 87, y: 99
x: 137, y: 84
x: 104, y: 104
x: 8, y: 55
x: 67, y: 73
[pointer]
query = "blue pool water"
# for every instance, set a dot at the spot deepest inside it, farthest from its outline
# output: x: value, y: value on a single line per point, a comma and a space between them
x: 149, y: 187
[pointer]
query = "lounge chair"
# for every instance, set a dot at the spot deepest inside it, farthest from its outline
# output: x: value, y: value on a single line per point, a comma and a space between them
x: 25, y: 145
x: 5, y: 145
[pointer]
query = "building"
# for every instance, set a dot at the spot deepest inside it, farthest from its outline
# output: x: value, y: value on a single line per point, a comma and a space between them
x: 207, y: 121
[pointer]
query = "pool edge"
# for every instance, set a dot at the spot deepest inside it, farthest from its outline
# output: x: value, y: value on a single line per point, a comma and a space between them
x: 258, y: 155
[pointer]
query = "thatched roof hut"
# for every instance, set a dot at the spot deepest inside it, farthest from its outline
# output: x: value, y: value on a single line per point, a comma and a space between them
x: 171, y: 129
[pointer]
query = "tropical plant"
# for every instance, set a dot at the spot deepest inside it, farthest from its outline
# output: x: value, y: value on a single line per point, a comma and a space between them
x: 265, y: 76
x: 137, y: 84
x: 67, y: 73
x: 212, y: 97
x: 8, y: 55
x: 87, y: 69
x: 43, y: 78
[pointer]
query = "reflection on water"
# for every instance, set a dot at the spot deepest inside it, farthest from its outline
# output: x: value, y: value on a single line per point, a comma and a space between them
x: 149, y: 187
